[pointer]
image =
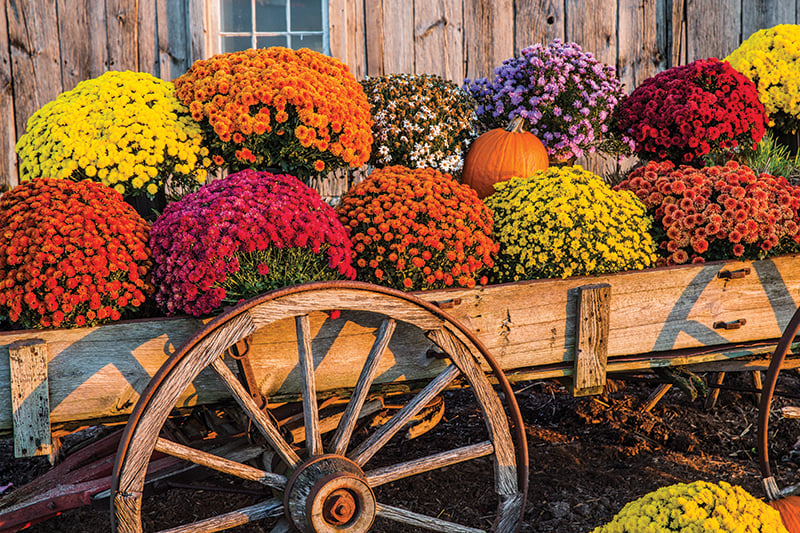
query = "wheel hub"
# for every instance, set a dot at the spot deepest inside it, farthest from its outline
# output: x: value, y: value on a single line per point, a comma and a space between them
x: 329, y: 494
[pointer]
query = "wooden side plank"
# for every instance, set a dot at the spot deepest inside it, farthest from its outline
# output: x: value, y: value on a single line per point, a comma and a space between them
x: 761, y: 14
x: 537, y: 21
x: 374, y: 30
x: 121, y: 32
x: 713, y: 28
x: 593, y: 25
x: 35, y: 56
x: 99, y: 372
x: 677, y: 33
x: 439, y: 39
x: 348, y: 33
x: 81, y: 58
x: 591, y: 339
x: 398, y: 35
x: 164, y: 61
x: 638, y: 56
x: 148, y: 37
x: 8, y: 131
x: 488, y: 35
x: 30, y: 402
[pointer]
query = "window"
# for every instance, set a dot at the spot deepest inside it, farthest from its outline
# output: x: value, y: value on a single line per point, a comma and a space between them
x: 263, y: 23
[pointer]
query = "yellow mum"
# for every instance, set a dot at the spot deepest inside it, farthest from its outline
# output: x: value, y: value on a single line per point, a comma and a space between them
x: 117, y: 129
x: 698, y: 506
x: 771, y: 59
x: 566, y: 221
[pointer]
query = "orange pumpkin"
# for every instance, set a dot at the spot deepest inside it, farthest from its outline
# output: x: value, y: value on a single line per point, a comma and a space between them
x: 500, y: 154
x: 789, y: 508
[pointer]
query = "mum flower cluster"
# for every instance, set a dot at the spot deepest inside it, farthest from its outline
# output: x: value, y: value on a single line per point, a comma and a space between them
x: 71, y: 254
x: 242, y: 235
x: 685, y: 113
x: 564, y: 94
x: 716, y: 212
x: 420, y: 121
x: 696, y: 507
x: 770, y: 58
x: 418, y: 229
x: 565, y: 222
x: 301, y: 111
x: 124, y: 129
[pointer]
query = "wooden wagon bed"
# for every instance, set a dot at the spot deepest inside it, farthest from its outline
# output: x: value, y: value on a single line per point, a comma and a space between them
x: 712, y: 315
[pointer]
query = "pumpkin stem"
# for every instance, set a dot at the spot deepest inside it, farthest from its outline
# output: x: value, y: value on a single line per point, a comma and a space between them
x: 515, y: 126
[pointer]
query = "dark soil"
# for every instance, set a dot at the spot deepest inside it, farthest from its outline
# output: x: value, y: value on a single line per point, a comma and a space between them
x: 588, y: 457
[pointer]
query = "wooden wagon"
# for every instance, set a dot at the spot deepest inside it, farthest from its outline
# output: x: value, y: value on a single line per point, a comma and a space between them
x: 304, y: 370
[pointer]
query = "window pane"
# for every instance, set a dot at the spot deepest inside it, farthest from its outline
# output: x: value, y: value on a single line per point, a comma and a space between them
x: 306, y: 15
x: 236, y: 15
x: 313, y: 41
x: 275, y: 40
x: 271, y: 15
x: 234, y: 44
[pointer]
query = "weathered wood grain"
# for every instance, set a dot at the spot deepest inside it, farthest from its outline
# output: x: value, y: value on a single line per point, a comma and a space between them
x: 162, y: 35
x: 346, y: 23
x: 30, y: 401
x: 389, y: 474
x: 82, y: 58
x: 122, y: 33
x: 439, y: 39
x: 9, y: 176
x: 341, y: 439
x: 100, y: 372
x: 399, y: 42
x: 374, y: 32
x: 35, y: 56
x: 147, y: 24
x: 505, y: 462
x: 269, y: 508
x: 364, y: 452
x: 221, y: 464
x: 593, y: 25
x: 713, y: 28
x: 198, y: 31
x: 404, y: 516
x: 537, y: 21
x: 488, y: 35
x: 165, y: 397
x: 591, y: 339
x: 762, y: 14
x: 308, y: 387
x: 638, y: 54
x: 677, y: 30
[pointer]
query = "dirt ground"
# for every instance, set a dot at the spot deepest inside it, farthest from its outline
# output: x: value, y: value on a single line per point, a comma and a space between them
x: 588, y: 457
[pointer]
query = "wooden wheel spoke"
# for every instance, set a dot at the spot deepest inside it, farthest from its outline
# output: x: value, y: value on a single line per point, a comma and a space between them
x: 245, y: 515
x: 370, y: 447
x: 261, y: 421
x: 344, y: 431
x: 309, y: 387
x: 220, y: 464
x: 424, y: 521
x: 381, y: 476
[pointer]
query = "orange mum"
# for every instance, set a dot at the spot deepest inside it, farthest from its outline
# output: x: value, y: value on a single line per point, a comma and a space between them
x: 246, y: 100
x: 71, y: 254
x: 409, y: 227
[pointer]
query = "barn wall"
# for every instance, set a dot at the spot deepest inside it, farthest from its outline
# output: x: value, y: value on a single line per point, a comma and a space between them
x: 48, y: 46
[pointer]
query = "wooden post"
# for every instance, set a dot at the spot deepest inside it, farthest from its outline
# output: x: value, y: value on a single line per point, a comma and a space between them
x: 591, y: 339
x: 30, y: 399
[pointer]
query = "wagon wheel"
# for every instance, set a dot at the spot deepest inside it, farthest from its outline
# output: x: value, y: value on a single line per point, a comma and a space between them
x: 331, y: 487
x: 781, y: 350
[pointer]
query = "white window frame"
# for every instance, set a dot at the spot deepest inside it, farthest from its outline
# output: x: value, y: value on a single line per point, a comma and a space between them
x: 215, y: 35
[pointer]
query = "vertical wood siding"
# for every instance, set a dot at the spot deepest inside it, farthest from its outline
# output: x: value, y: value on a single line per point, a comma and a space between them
x: 48, y: 46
